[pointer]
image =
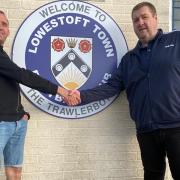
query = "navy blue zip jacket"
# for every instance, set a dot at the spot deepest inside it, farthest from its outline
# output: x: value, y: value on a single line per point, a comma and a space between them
x: 154, y: 93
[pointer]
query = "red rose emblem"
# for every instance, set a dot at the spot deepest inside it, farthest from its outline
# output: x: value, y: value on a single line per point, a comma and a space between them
x: 84, y: 46
x: 58, y: 45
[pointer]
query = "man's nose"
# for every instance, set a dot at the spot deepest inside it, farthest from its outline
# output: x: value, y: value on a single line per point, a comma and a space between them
x: 140, y: 22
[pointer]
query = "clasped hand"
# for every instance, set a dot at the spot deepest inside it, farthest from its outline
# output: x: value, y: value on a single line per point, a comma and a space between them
x: 70, y: 97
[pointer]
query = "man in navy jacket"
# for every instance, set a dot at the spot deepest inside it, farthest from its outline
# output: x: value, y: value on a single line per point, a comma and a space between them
x: 150, y: 74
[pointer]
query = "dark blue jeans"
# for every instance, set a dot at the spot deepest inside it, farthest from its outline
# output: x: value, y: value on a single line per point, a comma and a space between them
x: 155, y: 146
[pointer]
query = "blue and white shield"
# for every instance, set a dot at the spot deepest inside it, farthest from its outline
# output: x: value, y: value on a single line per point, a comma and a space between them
x: 71, y: 60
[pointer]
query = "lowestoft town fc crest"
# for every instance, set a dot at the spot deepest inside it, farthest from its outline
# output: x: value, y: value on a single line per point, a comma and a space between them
x: 73, y: 44
x: 71, y: 60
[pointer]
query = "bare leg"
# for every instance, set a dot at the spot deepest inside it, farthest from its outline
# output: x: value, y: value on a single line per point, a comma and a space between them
x: 13, y: 173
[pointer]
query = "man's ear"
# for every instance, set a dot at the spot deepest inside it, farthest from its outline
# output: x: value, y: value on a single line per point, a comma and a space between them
x: 8, y: 32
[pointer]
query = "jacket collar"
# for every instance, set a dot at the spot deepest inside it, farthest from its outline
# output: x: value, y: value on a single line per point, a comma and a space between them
x: 138, y: 45
x: 1, y: 48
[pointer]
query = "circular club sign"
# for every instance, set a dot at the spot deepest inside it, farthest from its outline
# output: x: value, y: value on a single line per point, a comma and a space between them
x: 73, y: 44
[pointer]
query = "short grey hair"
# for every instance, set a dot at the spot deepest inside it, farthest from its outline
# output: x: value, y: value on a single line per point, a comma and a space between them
x: 2, y: 12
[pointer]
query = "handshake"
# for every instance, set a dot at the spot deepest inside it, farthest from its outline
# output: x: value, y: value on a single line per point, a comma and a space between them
x: 71, y: 97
